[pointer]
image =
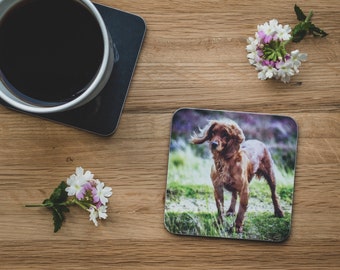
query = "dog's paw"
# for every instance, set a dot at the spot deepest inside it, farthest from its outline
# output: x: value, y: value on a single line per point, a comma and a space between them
x: 239, y: 229
x: 230, y: 213
x: 279, y: 213
x: 220, y: 220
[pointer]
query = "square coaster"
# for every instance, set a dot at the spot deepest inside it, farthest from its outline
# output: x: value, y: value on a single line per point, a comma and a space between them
x: 231, y: 175
x: 101, y: 115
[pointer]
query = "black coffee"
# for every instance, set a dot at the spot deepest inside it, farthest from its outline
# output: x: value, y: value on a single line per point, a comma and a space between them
x: 50, y: 49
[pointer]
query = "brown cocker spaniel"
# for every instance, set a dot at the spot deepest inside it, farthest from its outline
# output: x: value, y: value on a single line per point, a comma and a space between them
x: 236, y: 162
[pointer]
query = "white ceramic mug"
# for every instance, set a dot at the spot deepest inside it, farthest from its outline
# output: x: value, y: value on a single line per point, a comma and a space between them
x: 13, y: 95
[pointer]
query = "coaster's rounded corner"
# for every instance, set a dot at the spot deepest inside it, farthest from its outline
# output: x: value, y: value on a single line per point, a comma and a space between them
x: 283, y: 238
x: 166, y: 226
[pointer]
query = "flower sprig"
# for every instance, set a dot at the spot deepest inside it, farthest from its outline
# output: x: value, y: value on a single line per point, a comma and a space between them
x: 268, y: 53
x: 80, y: 189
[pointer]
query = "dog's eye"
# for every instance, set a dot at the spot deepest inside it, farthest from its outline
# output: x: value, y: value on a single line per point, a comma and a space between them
x: 213, y: 133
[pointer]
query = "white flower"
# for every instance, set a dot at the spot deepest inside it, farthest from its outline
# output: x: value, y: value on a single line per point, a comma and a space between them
x: 268, y: 28
x: 102, y: 212
x: 101, y: 193
x: 99, y: 213
x: 93, y: 215
x: 253, y: 43
x: 76, y: 182
x: 285, y: 70
x: 283, y: 33
x: 252, y: 50
x: 266, y: 72
x: 273, y: 24
x: 296, y: 58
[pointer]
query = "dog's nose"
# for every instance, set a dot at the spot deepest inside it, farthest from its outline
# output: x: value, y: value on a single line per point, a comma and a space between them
x: 214, y: 144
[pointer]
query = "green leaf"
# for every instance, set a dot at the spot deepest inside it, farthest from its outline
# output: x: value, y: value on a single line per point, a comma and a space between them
x: 299, y: 13
x: 58, y: 216
x: 305, y: 26
x: 58, y: 204
x: 59, y: 195
x: 317, y: 32
x: 299, y: 35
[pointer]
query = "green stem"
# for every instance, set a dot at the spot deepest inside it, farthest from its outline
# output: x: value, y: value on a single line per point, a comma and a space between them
x: 309, y: 17
x: 68, y: 203
x: 35, y: 205
x: 82, y: 204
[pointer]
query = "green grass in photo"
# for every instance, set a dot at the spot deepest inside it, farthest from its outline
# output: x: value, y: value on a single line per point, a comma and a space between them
x: 190, y: 205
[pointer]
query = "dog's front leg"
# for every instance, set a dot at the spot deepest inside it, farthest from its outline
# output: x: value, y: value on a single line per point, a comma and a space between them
x: 231, y: 210
x: 244, y: 196
x: 218, y: 193
x: 219, y: 199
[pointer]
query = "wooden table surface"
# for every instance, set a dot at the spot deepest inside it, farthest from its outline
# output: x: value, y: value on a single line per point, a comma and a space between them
x: 193, y: 56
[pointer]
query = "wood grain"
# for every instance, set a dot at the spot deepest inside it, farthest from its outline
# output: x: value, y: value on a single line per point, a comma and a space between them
x: 193, y: 56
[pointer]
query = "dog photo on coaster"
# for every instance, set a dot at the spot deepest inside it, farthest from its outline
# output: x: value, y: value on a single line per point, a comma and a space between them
x: 231, y: 175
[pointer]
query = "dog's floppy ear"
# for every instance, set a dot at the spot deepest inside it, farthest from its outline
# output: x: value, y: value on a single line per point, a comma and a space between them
x: 236, y: 133
x: 205, y: 134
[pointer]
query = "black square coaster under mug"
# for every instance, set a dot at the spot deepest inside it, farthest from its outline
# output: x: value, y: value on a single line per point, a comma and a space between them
x: 101, y: 115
